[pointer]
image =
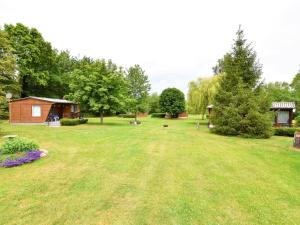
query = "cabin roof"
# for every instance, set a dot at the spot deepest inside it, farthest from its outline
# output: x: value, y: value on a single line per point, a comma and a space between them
x: 53, y: 100
x: 283, y: 105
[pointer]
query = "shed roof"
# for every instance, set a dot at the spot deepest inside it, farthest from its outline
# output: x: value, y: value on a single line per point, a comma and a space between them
x: 54, y: 100
x: 283, y: 105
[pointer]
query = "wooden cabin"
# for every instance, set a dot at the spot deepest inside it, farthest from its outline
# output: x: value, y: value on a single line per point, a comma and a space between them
x: 284, y: 112
x: 38, y: 110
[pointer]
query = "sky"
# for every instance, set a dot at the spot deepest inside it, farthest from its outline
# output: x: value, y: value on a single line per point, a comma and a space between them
x: 173, y: 41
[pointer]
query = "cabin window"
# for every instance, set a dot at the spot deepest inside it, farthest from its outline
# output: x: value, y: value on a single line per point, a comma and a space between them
x: 73, y: 108
x: 283, y: 117
x: 36, y: 111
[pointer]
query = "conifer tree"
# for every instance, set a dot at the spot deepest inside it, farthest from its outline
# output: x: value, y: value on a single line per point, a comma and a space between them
x: 241, y: 108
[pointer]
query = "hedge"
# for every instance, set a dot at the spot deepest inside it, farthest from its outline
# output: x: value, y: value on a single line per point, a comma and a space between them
x: 72, y: 122
x: 158, y: 115
x: 285, y: 131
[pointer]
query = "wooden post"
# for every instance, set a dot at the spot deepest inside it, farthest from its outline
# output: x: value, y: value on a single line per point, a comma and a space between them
x: 290, y: 117
x: 297, y: 139
x: 276, y: 118
x: 9, y: 108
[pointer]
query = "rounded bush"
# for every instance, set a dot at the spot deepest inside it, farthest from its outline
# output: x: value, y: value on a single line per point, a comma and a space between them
x: 12, y: 146
x: 172, y: 101
x: 285, y: 131
x: 72, y: 122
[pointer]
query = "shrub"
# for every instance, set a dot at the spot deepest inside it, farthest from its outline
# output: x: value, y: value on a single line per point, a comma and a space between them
x: 69, y: 122
x: 158, y: 115
x: 285, y: 131
x: 72, y: 122
x: 297, y: 119
x: 18, y: 145
x: 83, y: 121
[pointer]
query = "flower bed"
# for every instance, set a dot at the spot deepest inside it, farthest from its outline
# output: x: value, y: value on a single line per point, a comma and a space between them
x: 18, y: 151
x: 28, y: 157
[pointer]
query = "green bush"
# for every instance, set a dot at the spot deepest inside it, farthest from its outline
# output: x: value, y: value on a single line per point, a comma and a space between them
x: 297, y: 119
x: 172, y: 101
x: 158, y: 115
x: 285, y: 131
x: 127, y: 115
x: 83, y: 121
x: 12, y: 146
x: 72, y: 122
x: 69, y: 122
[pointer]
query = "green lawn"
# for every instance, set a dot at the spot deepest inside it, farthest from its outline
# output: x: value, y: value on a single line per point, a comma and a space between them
x: 122, y: 174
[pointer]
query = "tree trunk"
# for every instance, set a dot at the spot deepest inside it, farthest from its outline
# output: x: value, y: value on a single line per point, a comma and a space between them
x: 135, y: 117
x: 101, y: 117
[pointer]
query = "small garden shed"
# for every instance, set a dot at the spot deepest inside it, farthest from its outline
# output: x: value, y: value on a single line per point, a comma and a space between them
x: 41, y: 110
x: 283, y: 113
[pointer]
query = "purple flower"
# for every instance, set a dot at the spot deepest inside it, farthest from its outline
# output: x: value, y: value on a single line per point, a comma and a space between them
x: 27, y: 158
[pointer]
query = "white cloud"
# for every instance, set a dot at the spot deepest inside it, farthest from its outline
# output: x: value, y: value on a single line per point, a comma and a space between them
x: 174, y: 41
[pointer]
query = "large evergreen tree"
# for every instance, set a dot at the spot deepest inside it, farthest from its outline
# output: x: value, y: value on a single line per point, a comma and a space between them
x: 240, y: 106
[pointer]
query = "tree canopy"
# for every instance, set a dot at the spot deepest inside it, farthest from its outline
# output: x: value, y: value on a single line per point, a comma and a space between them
x: 34, y: 58
x: 99, y: 85
x: 279, y: 91
x: 201, y: 93
x: 153, y: 102
x: 172, y: 101
x: 138, y: 90
x: 8, y: 76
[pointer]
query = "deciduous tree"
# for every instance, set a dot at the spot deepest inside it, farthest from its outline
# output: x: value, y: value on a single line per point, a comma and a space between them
x: 153, y: 101
x: 296, y: 90
x: 201, y: 93
x: 172, y: 101
x: 99, y: 85
x: 138, y: 90
x: 34, y: 56
x: 279, y: 91
x: 8, y: 77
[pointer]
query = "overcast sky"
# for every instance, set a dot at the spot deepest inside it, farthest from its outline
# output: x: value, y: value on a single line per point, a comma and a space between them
x: 174, y: 41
